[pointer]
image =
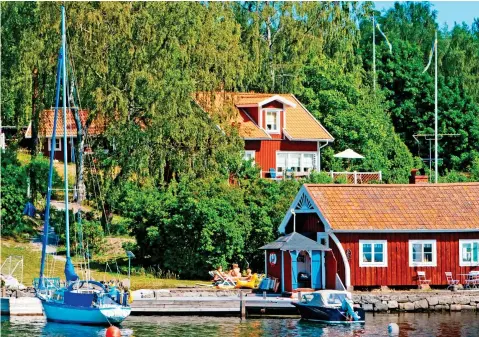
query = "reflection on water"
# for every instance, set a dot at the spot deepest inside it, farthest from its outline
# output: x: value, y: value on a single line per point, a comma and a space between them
x: 418, y: 324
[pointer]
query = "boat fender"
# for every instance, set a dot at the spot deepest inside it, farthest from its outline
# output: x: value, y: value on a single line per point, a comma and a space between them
x: 113, y: 331
x: 393, y: 329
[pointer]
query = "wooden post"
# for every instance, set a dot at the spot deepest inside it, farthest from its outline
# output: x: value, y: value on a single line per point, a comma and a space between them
x: 242, y: 305
x: 4, y: 292
x: 299, y: 296
x: 264, y: 295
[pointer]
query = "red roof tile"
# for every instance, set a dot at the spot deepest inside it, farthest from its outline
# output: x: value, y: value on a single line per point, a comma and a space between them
x: 398, y: 207
x: 46, y: 124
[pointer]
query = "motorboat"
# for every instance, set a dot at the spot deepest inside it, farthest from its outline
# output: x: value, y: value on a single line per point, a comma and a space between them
x: 329, y: 306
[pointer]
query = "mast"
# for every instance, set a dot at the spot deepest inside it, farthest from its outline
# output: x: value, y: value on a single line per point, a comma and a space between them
x: 374, y: 55
x: 50, y: 172
x: 65, y: 149
x: 435, y: 108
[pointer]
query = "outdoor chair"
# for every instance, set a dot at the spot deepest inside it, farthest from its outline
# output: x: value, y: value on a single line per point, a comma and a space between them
x: 220, y: 280
x: 289, y: 173
x: 272, y: 173
x: 421, y: 277
x: 451, y: 282
x: 472, y: 280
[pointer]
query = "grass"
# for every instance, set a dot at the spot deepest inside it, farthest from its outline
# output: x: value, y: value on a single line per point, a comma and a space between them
x: 31, y: 269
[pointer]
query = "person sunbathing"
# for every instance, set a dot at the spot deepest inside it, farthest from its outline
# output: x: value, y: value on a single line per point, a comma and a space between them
x: 235, y: 272
x: 248, y: 275
x: 219, y: 272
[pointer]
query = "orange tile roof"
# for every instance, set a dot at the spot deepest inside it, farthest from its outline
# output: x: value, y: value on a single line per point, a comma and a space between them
x: 300, y: 124
x: 398, y: 207
x: 46, y: 124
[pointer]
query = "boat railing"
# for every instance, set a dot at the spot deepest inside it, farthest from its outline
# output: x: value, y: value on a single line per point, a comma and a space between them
x: 50, y: 282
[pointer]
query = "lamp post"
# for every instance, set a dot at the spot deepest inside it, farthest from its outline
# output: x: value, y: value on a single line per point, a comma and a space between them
x: 294, y: 219
x: 130, y: 256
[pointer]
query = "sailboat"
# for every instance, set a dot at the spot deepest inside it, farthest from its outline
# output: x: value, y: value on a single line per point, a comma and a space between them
x: 78, y: 301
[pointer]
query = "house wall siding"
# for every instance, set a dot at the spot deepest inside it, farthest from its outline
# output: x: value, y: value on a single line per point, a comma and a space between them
x: 58, y: 154
x: 398, y: 272
x: 265, y: 155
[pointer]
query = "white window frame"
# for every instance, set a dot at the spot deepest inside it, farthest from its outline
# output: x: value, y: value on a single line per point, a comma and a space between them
x: 277, y: 113
x: 423, y: 264
x: 58, y: 144
x: 252, y: 153
x: 471, y: 263
x: 302, y: 153
x: 384, y: 263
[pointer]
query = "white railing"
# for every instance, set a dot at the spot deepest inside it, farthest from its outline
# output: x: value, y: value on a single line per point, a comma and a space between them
x: 358, y: 177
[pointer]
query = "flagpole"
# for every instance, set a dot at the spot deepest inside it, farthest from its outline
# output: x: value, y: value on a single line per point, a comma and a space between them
x: 435, y: 108
x: 374, y: 55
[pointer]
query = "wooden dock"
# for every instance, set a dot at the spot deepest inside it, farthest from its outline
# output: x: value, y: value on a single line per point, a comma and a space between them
x: 231, y: 305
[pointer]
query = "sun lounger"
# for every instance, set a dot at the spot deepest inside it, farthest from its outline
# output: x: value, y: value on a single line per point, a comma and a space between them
x: 222, y: 281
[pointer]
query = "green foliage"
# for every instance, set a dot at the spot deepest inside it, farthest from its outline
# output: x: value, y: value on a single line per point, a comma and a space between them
x: 319, y: 178
x: 14, y: 197
x: 37, y: 171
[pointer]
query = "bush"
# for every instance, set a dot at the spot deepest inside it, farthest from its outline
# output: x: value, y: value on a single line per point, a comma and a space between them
x: 38, y: 170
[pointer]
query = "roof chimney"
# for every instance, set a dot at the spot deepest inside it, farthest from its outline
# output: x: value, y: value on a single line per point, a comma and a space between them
x: 414, y: 178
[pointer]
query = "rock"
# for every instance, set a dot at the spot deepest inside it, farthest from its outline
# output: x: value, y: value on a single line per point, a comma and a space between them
x: 370, y: 299
x: 380, y: 307
x: 432, y: 301
x: 421, y: 305
x: 402, y: 299
x: 356, y: 298
x: 441, y: 307
x: 367, y: 307
x: 444, y: 299
x: 393, y: 305
x: 409, y: 306
x: 456, y: 307
x: 461, y: 300
x: 468, y: 307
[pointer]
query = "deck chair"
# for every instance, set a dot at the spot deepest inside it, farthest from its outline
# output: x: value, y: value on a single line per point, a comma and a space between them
x: 421, y: 277
x: 451, y: 282
x: 272, y: 173
x: 472, y: 280
x: 222, y: 281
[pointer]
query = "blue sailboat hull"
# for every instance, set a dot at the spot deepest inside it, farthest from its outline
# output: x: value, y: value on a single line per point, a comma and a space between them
x: 62, y: 313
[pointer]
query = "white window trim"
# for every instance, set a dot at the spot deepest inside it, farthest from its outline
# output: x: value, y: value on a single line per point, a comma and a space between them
x: 423, y: 264
x: 278, y: 120
x: 314, y: 153
x: 252, y: 153
x: 465, y: 263
x: 58, y: 144
x: 372, y: 243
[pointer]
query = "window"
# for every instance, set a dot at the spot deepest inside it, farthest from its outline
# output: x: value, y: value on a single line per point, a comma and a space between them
x: 249, y: 155
x: 298, y: 162
x: 58, y: 144
x: 323, y: 238
x: 272, y: 120
x: 468, y: 253
x: 422, y: 253
x: 373, y: 253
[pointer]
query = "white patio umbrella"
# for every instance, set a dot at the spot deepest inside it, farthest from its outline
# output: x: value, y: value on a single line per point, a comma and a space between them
x: 348, y: 154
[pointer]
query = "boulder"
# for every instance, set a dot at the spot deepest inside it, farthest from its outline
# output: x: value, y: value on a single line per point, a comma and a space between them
x: 409, y: 306
x: 393, y: 304
x: 456, y: 307
x: 444, y: 299
x: 367, y: 307
x: 468, y: 307
x: 380, y: 307
x: 432, y: 300
x: 461, y: 300
x: 402, y: 299
x: 421, y: 305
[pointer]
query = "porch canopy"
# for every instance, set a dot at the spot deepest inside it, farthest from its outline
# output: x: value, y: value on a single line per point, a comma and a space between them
x: 295, y: 241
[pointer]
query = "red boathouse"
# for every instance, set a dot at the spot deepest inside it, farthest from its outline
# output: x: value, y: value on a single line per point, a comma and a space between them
x: 280, y: 134
x: 382, y: 235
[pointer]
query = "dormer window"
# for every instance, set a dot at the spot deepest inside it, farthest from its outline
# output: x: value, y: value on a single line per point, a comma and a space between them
x: 272, y: 120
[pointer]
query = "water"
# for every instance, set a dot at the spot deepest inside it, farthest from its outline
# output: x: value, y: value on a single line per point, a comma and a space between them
x: 417, y: 324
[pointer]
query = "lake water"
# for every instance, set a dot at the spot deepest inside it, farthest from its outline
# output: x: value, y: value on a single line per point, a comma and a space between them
x: 418, y: 324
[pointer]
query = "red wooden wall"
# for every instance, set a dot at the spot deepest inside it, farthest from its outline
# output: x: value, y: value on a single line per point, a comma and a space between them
x: 265, y: 155
x: 331, y: 270
x: 398, y: 272
x: 58, y: 154
x: 288, y: 283
x: 274, y: 270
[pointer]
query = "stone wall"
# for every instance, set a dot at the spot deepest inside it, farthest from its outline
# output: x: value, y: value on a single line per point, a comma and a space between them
x: 187, y: 292
x: 418, y: 301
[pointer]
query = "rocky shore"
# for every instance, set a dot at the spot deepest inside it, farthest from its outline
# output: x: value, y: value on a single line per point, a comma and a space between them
x: 418, y: 301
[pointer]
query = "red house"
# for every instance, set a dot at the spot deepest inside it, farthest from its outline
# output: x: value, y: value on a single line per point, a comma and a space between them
x: 280, y: 134
x: 382, y: 235
x: 46, y: 130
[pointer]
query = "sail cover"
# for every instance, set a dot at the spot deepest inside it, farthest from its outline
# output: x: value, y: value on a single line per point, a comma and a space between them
x: 70, y: 274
